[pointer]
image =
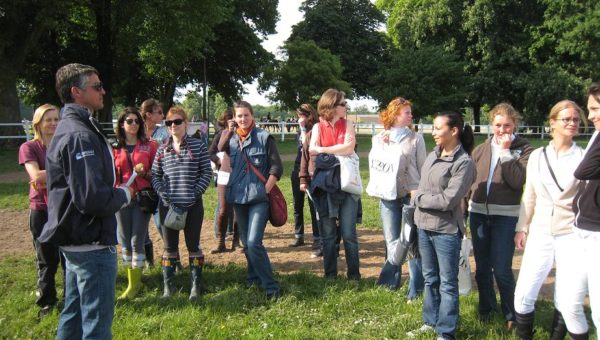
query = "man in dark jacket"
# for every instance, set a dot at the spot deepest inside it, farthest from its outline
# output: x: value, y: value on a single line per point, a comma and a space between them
x: 82, y: 202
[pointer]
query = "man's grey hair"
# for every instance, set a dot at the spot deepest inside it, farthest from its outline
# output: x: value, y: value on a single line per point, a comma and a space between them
x: 72, y: 75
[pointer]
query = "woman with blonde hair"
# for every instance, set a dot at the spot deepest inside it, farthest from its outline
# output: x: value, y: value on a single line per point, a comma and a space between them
x: 545, y: 226
x: 402, y: 151
x: 32, y: 155
x: 501, y: 163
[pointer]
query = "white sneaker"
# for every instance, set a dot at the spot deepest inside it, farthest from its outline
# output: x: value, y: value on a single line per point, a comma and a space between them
x: 423, y: 329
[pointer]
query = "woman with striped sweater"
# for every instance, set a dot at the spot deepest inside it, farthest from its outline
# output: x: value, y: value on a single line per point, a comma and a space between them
x: 181, y: 173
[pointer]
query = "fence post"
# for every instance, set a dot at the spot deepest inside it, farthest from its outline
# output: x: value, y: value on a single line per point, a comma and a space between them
x: 372, y: 129
x: 542, y: 130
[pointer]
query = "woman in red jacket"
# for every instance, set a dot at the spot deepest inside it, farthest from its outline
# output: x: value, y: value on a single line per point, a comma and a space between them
x: 133, y: 153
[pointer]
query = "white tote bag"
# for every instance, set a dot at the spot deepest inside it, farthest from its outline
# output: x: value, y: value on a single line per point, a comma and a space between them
x: 383, y: 169
x: 464, y: 267
x: 350, y: 180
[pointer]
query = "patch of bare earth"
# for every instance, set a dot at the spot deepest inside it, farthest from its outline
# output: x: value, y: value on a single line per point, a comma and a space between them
x: 15, y: 240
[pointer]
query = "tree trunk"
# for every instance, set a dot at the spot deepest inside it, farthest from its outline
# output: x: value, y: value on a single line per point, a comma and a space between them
x: 9, y: 105
x: 477, y: 116
x: 104, y: 38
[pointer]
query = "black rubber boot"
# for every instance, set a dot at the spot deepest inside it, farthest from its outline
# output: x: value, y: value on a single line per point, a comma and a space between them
x: 149, y: 250
x: 196, y: 264
x: 583, y: 336
x: 559, y: 328
x: 168, y: 267
x: 525, y: 325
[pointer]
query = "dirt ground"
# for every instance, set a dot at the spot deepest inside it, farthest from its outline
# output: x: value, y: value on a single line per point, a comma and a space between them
x: 15, y: 240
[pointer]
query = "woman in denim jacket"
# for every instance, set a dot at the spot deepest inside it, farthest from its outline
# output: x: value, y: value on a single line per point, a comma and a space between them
x: 252, y: 146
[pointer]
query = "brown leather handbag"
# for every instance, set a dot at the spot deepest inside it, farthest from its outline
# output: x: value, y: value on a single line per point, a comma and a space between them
x: 278, y: 213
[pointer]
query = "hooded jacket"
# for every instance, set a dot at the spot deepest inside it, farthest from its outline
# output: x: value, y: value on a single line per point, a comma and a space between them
x: 508, y: 179
x: 82, y: 199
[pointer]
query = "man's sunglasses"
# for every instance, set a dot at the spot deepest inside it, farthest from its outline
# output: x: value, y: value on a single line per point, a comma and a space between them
x: 96, y: 86
x: 177, y: 121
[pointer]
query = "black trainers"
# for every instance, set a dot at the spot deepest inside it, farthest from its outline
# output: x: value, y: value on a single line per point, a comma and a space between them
x: 299, y: 241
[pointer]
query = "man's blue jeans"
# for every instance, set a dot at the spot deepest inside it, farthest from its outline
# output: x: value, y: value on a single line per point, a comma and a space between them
x: 439, y: 258
x: 252, y: 220
x: 347, y: 220
x: 90, y: 294
x: 494, y: 247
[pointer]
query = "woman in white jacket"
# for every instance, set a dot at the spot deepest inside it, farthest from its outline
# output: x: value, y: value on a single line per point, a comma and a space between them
x: 545, y: 225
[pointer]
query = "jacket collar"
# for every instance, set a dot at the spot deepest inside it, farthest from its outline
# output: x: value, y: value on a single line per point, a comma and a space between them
x: 458, y: 150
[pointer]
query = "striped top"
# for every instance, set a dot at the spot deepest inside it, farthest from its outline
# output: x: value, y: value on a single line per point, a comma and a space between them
x: 181, y: 178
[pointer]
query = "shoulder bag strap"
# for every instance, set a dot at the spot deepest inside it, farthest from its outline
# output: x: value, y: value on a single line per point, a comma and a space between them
x: 254, y: 169
x: 550, y: 168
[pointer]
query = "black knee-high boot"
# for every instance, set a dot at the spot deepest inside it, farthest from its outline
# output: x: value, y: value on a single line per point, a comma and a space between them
x: 559, y: 328
x: 525, y: 325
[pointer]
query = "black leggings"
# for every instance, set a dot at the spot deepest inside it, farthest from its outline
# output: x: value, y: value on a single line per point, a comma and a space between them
x: 193, y: 226
x: 48, y: 259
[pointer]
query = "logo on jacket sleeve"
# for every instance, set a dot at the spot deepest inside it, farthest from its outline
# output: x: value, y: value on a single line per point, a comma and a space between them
x: 83, y: 154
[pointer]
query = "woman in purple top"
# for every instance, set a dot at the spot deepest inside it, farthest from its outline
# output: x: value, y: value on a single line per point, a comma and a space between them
x: 32, y: 155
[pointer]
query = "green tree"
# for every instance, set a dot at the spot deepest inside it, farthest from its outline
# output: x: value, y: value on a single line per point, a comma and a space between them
x: 350, y: 30
x: 306, y: 73
x: 491, y: 37
x: 192, y: 104
x: 19, y: 36
x: 569, y: 37
x: 431, y: 78
x: 149, y: 49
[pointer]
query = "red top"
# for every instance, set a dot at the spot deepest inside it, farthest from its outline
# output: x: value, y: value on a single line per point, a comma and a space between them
x: 142, y: 153
x: 35, y: 151
x: 330, y: 135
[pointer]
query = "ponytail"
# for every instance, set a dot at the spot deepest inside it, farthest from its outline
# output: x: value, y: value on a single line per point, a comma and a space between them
x: 467, y: 139
x: 465, y: 131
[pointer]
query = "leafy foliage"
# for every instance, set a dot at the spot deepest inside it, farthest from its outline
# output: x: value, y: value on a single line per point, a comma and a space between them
x: 306, y: 73
x: 349, y: 30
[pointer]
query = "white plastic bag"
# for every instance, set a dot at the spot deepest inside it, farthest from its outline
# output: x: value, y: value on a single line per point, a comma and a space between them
x: 384, y: 159
x: 464, y: 267
x: 350, y: 180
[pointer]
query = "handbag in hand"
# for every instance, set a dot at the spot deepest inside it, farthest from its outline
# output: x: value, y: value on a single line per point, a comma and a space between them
x: 148, y: 200
x: 277, y: 205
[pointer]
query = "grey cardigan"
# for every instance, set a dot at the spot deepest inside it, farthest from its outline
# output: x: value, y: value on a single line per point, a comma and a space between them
x: 445, y: 181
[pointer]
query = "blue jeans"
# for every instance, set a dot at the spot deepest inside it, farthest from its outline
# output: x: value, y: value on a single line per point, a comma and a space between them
x: 347, y: 220
x: 390, y: 276
x: 90, y: 294
x: 252, y: 220
x: 416, y: 282
x: 439, y: 258
x: 494, y: 247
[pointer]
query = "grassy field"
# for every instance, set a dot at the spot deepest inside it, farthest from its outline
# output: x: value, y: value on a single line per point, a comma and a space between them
x: 310, y: 306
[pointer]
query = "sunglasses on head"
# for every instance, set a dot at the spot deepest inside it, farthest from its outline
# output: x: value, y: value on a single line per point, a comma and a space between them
x: 177, y: 121
x: 130, y: 121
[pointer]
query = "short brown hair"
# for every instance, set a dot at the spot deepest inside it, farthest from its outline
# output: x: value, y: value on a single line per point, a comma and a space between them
x: 72, y: 75
x: 327, y: 103
x: 176, y: 110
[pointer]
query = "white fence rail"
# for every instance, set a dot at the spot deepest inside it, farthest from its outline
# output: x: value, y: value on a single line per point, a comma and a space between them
x: 287, y: 130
